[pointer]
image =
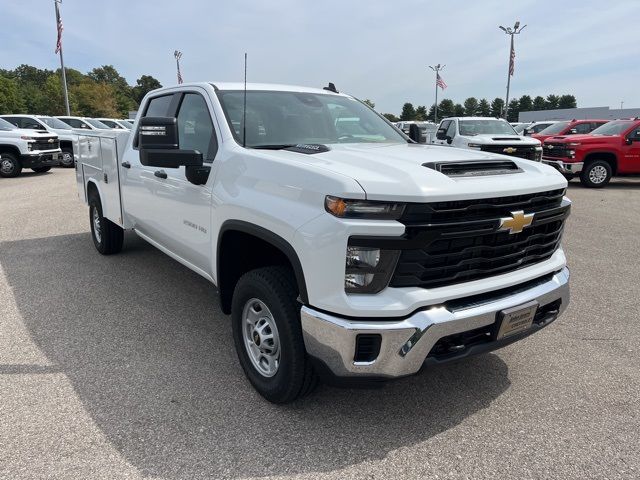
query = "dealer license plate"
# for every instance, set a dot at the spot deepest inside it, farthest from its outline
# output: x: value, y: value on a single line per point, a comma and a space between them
x: 517, y: 319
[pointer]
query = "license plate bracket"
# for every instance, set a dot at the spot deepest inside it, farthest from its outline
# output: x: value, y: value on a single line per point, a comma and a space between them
x: 516, y: 319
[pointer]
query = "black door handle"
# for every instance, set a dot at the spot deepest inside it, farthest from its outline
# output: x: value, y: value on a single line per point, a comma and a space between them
x: 126, y: 164
x: 160, y: 174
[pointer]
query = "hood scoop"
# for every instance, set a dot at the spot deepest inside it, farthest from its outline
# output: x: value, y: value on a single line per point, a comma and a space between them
x: 507, y: 139
x: 474, y: 168
x: 308, y: 148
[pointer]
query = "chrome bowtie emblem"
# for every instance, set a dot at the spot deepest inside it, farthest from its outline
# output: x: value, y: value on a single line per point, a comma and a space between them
x: 510, y: 150
x: 517, y: 222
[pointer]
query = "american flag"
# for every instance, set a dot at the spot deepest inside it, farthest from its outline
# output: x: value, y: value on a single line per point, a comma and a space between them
x: 512, y: 59
x: 60, y: 29
x: 178, y: 56
x: 440, y: 82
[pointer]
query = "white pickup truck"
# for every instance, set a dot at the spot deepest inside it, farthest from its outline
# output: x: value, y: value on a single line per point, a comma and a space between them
x: 493, y: 135
x: 22, y: 148
x: 346, y: 256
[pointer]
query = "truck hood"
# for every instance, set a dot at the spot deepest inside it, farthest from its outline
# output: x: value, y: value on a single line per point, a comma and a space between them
x: 584, y: 139
x: 494, y: 139
x: 20, y: 132
x: 396, y: 172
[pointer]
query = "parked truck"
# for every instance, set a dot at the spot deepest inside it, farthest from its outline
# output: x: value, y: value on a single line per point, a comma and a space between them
x: 486, y: 134
x: 348, y: 257
x: 609, y: 150
x: 22, y: 148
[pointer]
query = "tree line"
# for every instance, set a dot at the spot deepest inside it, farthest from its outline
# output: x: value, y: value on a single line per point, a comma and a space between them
x: 482, y: 108
x: 102, y: 92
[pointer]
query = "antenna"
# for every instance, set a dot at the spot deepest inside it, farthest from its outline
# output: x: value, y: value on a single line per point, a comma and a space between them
x: 244, y: 106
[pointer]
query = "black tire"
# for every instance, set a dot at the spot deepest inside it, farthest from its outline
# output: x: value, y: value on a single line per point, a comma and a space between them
x: 107, y: 236
x: 596, y: 174
x: 10, y: 165
x: 41, y: 169
x: 66, y: 160
x: 274, y: 287
x: 568, y: 176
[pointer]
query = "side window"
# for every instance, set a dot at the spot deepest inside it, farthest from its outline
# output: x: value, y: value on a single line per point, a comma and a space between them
x: 445, y: 125
x: 634, y: 135
x: 582, y: 128
x: 195, y: 128
x: 595, y: 125
x: 159, y: 106
x: 451, y: 131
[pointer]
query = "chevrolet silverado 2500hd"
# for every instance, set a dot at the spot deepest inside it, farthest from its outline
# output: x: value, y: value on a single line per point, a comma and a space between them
x: 346, y: 253
x: 612, y: 149
x: 21, y: 148
x: 493, y: 135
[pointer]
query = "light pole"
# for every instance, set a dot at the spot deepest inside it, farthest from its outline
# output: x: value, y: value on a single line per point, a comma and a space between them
x: 178, y: 56
x: 512, y: 58
x: 437, y: 68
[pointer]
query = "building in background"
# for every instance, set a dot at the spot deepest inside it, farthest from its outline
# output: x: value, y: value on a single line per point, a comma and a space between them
x: 579, y: 114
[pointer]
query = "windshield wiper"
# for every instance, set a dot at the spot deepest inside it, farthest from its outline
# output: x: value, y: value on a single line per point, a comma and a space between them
x: 276, y: 146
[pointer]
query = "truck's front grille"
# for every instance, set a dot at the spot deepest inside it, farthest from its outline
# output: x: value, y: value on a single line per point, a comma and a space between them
x: 460, y: 241
x: 45, y: 144
x: 554, y: 150
x: 521, y: 151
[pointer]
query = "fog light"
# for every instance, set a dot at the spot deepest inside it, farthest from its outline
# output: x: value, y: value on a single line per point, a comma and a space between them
x: 368, y: 269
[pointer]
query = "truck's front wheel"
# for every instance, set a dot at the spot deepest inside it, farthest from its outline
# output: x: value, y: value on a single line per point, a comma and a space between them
x: 596, y: 174
x: 10, y: 166
x: 107, y: 236
x: 268, y: 335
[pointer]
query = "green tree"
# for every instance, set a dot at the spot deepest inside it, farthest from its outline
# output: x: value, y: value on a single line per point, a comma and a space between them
x: 525, y: 103
x: 369, y: 103
x: 471, y: 106
x: 567, y: 101
x: 144, y: 85
x: 496, y: 107
x: 458, y: 110
x: 10, y: 98
x: 513, y: 110
x: 421, y: 113
x: 94, y: 99
x: 539, y: 103
x: 484, y: 109
x: 552, y: 102
x: 408, y: 112
x: 446, y: 108
x: 108, y: 75
x: 391, y: 117
x: 432, y: 112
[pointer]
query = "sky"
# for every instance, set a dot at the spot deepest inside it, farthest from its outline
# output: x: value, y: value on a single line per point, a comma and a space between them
x: 372, y: 49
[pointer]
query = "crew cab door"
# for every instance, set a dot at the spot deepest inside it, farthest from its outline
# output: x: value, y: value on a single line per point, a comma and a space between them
x: 168, y: 208
x: 630, y: 158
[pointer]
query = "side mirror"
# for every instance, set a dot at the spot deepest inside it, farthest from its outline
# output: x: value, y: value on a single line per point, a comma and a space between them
x: 528, y: 131
x: 414, y: 133
x: 441, y: 134
x: 629, y: 140
x: 449, y: 140
x: 159, y: 145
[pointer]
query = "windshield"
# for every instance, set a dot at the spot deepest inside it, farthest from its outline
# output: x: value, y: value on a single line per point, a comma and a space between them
x: 280, y: 119
x: 124, y: 124
x: 54, y: 123
x: 111, y: 123
x: 4, y: 125
x: 96, y: 123
x: 488, y: 127
x: 520, y: 128
x: 613, y: 128
x: 554, y: 128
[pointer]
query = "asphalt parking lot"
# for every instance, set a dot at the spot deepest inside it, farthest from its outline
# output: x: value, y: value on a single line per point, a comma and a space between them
x: 124, y: 367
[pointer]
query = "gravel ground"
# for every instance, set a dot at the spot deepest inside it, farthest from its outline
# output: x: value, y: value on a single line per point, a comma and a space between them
x: 123, y: 367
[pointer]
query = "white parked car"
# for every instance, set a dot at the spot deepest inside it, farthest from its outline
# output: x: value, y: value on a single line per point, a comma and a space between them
x: 486, y: 134
x: 115, y: 124
x: 84, y: 123
x: 340, y: 248
x: 66, y: 135
x: 24, y: 148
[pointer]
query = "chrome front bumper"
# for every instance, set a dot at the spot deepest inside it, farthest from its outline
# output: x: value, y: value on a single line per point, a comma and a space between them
x: 406, y: 343
x: 565, y: 167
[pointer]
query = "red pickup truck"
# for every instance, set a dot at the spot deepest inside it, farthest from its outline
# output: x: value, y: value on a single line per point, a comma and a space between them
x: 612, y: 149
x: 569, y: 127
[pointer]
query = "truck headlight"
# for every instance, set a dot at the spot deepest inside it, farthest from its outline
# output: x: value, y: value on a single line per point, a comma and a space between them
x: 346, y: 208
x: 368, y: 269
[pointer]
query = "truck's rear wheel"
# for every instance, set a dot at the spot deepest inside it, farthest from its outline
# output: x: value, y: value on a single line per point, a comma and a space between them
x: 268, y: 335
x: 67, y: 158
x: 107, y: 236
x: 596, y: 174
x: 10, y: 166
x: 41, y: 169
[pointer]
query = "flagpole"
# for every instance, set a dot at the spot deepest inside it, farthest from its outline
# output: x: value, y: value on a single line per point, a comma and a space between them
x: 438, y: 68
x: 64, y: 75
x: 506, y: 101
